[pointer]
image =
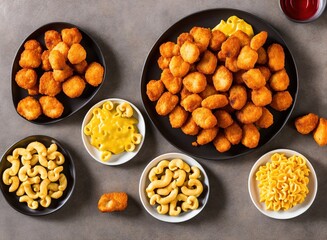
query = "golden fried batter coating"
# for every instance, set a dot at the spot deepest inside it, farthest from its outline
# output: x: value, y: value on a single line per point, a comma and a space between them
x: 233, y: 133
x: 29, y: 108
x: 178, y: 117
x: 221, y: 143
x: 191, y: 102
x: 262, y: 56
x: 222, y: 79
x: 183, y: 37
x: 224, y: 118
x: 207, y: 63
x: 51, y: 38
x: 76, y: 53
x: 254, y: 79
x: 33, y: 90
x: 279, y: 80
x: 204, y: 118
x: 195, y: 82
x: 247, y: 58
x: 320, y: 134
x: 307, y: 123
x: 169, y: 49
x: 30, y: 59
x: 51, y: 107
x: 26, y: 78
x: 190, y: 52
x: 74, y: 86
x: 237, y: 96
x: 94, y: 74
x: 231, y: 64
x: 249, y: 113
x: 49, y: 86
x: 57, y: 60
x: 201, y: 37
x: 178, y: 67
x: 261, y: 97
x: 251, y: 136
x: 163, y: 62
x: 33, y: 45
x: 215, y: 101
x: 217, y: 39
x: 46, y: 66
x: 62, y: 75
x: 265, y: 72
x: 63, y: 48
x: 266, y: 119
x: 258, y: 40
x: 243, y: 37
x: 154, y: 89
x: 81, y: 67
x: 281, y: 101
x: 190, y: 127
x: 208, y: 91
x: 112, y: 202
x: 173, y: 84
x: 71, y: 36
x: 221, y: 56
x: 276, y: 57
x: 205, y: 136
x: 231, y: 47
x: 166, y: 103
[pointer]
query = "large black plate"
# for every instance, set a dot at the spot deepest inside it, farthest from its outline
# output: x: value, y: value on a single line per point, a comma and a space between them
x: 69, y: 171
x: 210, y: 18
x: 71, y: 105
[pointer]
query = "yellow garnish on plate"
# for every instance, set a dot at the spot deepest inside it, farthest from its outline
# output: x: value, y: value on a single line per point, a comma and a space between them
x: 233, y: 24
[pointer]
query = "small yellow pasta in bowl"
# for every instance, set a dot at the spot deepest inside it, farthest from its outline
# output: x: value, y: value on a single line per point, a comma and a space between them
x: 282, y: 184
x: 113, y: 131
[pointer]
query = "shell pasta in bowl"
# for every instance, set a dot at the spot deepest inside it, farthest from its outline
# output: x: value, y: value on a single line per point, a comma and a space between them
x: 282, y: 184
x: 113, y: 131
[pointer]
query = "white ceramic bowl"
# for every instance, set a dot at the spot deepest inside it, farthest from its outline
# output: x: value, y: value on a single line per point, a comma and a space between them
x: 124, y: 156
x: 296, y: 210
x: 183, y: 216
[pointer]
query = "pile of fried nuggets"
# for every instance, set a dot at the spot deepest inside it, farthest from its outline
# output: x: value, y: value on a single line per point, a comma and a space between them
x: 64, y: 68
x: 218, y: 88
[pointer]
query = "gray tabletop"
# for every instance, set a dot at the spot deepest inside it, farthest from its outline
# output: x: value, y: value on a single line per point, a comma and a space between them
x: 126, y: 31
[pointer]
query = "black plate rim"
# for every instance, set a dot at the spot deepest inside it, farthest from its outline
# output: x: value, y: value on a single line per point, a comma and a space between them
x: 162, y: 36
x: 72, y: 171
x: 101, y: 58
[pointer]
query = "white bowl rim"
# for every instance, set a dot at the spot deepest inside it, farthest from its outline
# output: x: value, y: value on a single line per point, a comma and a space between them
x: 151, y: 209
x: 119, y: 158
x: 298, y: 209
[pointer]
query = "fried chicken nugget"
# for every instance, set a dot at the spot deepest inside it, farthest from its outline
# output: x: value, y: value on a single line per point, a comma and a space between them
x: 276, y: 57
x: 251, y: 136
x: 184, y: 92
x: 76, y: 53
x: 204, y: 118
x: 205, y: 136
x: 221, y: 143
x: 81, y: 67
x: 207, y: 63
x: 46, y: 66
x: 281, y: 101
x: 51, y: 107
x: 195, y: 82
x: 63, y: 48
x: 94, y: 74
x: 169, y: 49
x: 265, y: 72
x: 26, y: 78
x: 178, y: 117
x: 29, y: 108
x: 215, y: 101
x: 221, y: 56
x: 262, y: 56
x: 320, y: 133
x: 208, y: 91
x: 71, y: 36
x: 33, y: 44
x: 243, y: 37
x: 258, y: 40
x: 190, y: 127
x: 33, y: 90
x: 154, y: 89
x: 190, y: 52
x: 237, y: 96
x: 231, y: 64
x: 166, y: 103
x: 74, y: 86
x: 173, y: 84
x: 57, y: 60
x: 261, y: 97
x: 183, y: 37
x: 307, y: 123
x: 254, y: 79
x: 231, y: 47
x: 279, y: 80
x: 178, y: 67
x: 224, y: 119
x: 247, y: 58
x: 266, y: 119
x: 62, y: 75
x: 163, y: 62
x: 217, y: 39
x: 249, y: 113
x: 30, y: 58
x: 112, y: 202
x: 49, y: 86
x: 233, y: 133
x: 201, y: 37
x: 51, y: 38
x: 191, y: 102
x: 222, y: 79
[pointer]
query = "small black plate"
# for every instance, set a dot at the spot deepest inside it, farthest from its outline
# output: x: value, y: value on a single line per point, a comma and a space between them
x: 210, y: 18
x: 69, y: 171
x: 71, y: 105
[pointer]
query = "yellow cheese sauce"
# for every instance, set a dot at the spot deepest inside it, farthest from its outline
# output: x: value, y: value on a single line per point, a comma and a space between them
x: 113, y: 129
x: 233, y: 24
